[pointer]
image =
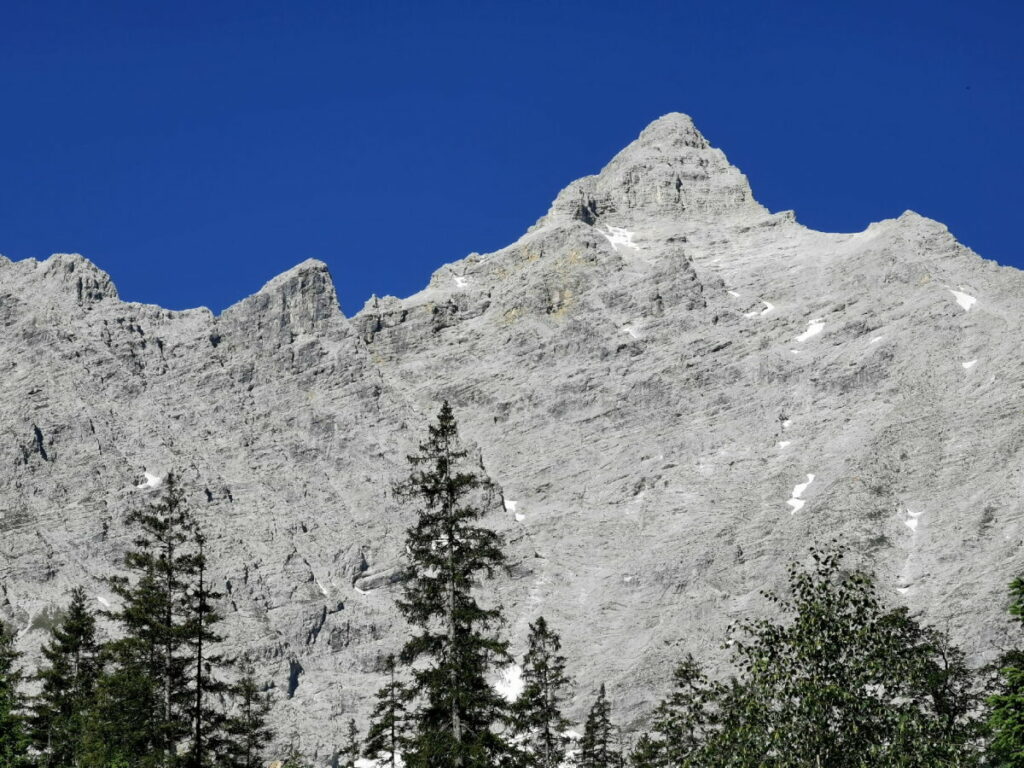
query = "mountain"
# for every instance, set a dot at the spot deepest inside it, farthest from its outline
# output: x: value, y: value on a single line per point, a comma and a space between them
x: 676, y: 390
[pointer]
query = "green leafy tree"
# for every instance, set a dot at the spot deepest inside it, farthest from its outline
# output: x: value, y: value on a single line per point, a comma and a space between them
x: 839, y: 681
x: 540, y: 724
x: 14, y: 739
x: 60, y: 712
x: 248, y: 734
x: 1006, y: 706
x: 387, y: 736
x: 598, y: 745
x: 458, y: 717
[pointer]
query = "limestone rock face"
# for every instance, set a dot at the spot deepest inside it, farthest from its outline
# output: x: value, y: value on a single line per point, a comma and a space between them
x: 676, y: 390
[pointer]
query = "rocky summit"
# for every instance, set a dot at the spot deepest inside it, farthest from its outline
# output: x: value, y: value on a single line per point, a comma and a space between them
x: 676, y: 390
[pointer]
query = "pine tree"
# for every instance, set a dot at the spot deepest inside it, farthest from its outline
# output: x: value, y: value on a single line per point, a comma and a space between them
x: 537, y: 712
x: 59, y: 713
x: 1006, y: 706
x: 206, y: 717
x: 647, y: 753
x: 597, y: 748
x: 457, y: 644
x: 387, y: 737
x: 248, y: 734
x: 686, y: 719
x: 157, y: 699
x: 14, y: 739
x: 350, y: 749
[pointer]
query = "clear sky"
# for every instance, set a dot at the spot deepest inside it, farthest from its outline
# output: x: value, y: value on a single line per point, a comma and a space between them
x: 196, y: 149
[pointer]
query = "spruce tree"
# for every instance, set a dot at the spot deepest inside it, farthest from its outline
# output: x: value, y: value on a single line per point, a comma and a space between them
x: 14, y: 739
x: 248, y: 734
x: 350, y: 749
x: 458, y: 715
x: 151, y: 617
x: 158, y: 702
x: 537, y: 712
x: 1006, y: 705
x: 205, y: 715
x: 597, y: 747
x: 683, y: 721
x: 60, y: 711
x: 387, y: 736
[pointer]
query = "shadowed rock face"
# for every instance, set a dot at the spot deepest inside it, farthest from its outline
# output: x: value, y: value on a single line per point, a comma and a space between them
x: 676, y: 390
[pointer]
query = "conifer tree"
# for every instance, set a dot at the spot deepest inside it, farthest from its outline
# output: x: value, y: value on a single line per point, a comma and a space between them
x: 387, y: 737
x: 597, y: 747
x: 350, y: 749
x: 248, y: 734
x: 537, y: 712
x: 205, y: 715
x: 457, y: 644
x: 59, y: 713
x: 684, y: 721
x: 157, y: 700
x: 1006, y: 705
x: 14, y: 739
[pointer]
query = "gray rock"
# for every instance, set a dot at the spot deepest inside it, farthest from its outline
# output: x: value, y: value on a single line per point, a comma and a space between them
x: 652, y: 374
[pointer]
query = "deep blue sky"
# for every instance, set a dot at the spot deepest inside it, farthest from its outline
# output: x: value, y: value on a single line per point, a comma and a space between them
x: 196, y: 149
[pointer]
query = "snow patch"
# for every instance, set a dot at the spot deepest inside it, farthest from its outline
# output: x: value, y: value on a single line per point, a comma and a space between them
x: 520, y: 517
x: 903, y: 590
x: 631, y: 331
x: 152, y: 481
x: 618, y: 236
x: 783, y: 443
x: 798, y: 490
x: 876, y: 339
x: 460, y: 281
x: 969, y: 364
x: 813, y: 329
x: 733, y: 293
x: 911, y: 521
x: 965, y: 300
x: 103, y: 601
x: 321, y: 587
x: 510, y: 684
x: 786, y: 423
x: 510, y: 506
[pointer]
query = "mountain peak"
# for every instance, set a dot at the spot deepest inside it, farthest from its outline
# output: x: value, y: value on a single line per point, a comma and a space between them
x: 669, y: 170
x: 672, y: 131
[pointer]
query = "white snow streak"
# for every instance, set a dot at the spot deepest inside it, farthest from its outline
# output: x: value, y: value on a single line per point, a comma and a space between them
x: 152, y: 481
x: 618, y: 236
x: 813, y: 329
x: 103, y: 601
x: 965, y: 300
x: 798, y: 490
x: 631, y: 331
x: 783, y: 443
x: 903, y: 590
x: 733, y: 293
x: 460, y: 282
x: 969, y: 364
x: 911, y: 521
x: 323, y: 590
x: 876, y: 340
